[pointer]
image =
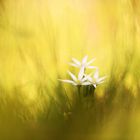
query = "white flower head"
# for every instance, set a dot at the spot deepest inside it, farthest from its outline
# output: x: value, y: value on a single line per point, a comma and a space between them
x: 83, y: 63
x: 80, y: 80
x: 95, y: 79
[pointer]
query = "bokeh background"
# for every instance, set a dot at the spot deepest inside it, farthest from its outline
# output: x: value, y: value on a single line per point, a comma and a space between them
x: 38, y: 38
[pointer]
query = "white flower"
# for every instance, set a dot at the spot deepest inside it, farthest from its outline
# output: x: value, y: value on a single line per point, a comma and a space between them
x: 80, y: 80
x: 83, y: 78
x: 96, y: 80
x: 84, y: 63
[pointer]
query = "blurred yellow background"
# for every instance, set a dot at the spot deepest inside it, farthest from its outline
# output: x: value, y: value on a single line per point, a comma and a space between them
x: 45, y: 34
x: 39, y: 37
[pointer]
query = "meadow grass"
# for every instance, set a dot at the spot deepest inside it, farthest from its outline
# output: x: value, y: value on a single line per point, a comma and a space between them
x: 38, y: 39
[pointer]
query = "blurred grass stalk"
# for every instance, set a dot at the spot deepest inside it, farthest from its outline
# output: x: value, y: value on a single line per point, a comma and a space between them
x: 37, y: 40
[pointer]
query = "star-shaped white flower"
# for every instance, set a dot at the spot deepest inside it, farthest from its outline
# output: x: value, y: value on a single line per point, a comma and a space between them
x: 80, y: 80
x: 96, y: 80
x: 83, y: 63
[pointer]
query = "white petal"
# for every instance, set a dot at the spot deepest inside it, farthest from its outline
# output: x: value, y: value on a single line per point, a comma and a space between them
x: 91, y: 61
x: 68, y: 81
x: 86, y: 83
x: 95, y: 85
x: 84, y: 79
x: 84, y: 60
x: 81, y: 73
x: 72, y: 76
x: 90, y: 79
x: 91, y: 67
x: 87, y: 77
x: 96, y: 74
x: 101, y: 80
x: 76, y: 61
x: 74, y: 65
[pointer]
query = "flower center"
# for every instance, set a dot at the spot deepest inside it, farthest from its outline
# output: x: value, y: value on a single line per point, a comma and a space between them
x: 78, y: 82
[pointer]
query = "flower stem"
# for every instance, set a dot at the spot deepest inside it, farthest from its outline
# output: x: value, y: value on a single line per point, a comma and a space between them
x: 79, y: 94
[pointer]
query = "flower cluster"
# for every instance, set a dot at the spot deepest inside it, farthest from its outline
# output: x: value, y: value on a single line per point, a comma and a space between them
x: 82, y: 78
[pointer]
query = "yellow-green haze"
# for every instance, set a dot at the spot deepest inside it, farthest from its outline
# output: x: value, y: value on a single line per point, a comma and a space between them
x: 38, y: 38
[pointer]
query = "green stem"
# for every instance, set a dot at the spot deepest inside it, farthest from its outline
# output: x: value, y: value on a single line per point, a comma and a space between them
x: 79, y: 94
